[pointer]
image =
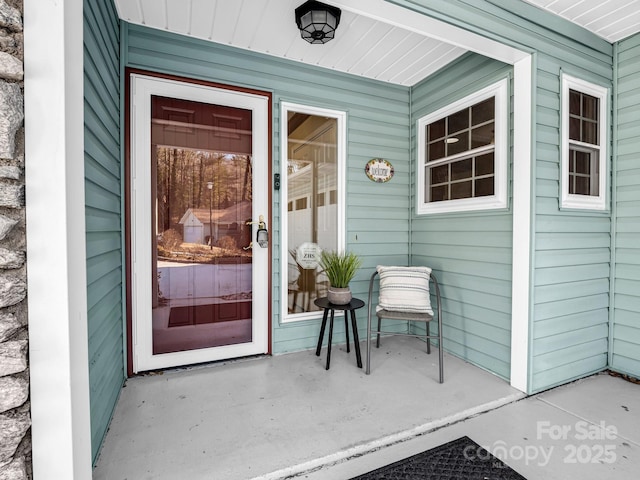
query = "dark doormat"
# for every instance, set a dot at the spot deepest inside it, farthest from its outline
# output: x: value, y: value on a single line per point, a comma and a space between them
x: 212, y: 313
x: 461, y: 459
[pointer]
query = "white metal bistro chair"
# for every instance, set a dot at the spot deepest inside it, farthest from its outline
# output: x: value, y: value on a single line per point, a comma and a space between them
x: 404, y: 295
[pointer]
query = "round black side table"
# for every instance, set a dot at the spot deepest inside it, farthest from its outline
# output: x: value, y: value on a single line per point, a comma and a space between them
x: 351, y: 307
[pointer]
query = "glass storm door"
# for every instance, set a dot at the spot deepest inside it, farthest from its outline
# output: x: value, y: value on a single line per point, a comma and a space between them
x: 199, y: 172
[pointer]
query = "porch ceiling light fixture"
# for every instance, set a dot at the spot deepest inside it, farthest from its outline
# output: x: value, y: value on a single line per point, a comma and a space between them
x: 317, y: 22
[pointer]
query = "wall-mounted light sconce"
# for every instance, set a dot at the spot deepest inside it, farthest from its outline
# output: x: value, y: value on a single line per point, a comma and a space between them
x: 317, y: 22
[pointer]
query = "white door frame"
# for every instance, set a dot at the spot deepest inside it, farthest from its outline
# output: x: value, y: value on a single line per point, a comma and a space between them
x: 142, y: 88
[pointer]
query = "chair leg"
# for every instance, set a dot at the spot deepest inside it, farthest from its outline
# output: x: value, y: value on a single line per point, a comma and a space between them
x: 378, y: 336
x: 368, y: 368
x: 440, y: 352
x: 428, y: 341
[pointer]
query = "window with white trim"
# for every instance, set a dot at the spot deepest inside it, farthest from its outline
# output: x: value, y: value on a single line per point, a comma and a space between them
x: 463, y: 154
x: 313, y: 163
x: 584, y: 144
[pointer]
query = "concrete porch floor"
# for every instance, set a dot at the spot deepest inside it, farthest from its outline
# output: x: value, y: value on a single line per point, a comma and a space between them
x: 287, y: 417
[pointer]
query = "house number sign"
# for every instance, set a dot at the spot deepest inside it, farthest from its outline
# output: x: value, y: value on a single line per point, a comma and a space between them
x: 379, y: 170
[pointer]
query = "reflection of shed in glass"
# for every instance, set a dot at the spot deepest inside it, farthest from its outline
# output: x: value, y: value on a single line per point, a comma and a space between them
x: 229, y: 222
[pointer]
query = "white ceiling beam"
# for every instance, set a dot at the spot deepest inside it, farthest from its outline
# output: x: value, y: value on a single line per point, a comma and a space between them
x: 431, y: 27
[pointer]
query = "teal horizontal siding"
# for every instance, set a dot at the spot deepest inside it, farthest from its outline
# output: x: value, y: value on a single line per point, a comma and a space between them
x: 549, y: 327
x: 564, y: 371
x: 377, y: 215
x: 625, y: 318
x: 103, y: 212
x: 470, y: 253
x: 562, y: 275
x: 572, y: 258
x: 587, y: 288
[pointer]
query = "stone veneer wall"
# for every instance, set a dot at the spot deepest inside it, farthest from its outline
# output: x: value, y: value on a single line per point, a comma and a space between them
x: 15, y: 421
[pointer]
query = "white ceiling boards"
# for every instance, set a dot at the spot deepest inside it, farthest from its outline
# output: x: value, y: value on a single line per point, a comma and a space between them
x: 375, y: 39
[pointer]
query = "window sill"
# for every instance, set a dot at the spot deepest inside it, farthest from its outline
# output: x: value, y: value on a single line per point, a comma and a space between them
x: 301, y: 317
x: 462, y: 206
x: 578, y: 202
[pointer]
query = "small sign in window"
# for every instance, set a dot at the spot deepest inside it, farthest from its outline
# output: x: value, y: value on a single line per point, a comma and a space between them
x: 308, y: 255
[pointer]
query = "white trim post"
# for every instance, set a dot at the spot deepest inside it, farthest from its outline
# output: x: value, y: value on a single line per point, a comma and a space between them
x: 523, y: 158
x: 56, y: 247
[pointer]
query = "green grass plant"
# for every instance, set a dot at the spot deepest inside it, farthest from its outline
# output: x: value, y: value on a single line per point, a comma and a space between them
x: 339, y: 267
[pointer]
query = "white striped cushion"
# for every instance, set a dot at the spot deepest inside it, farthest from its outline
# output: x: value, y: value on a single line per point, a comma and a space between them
x: 404, y: 289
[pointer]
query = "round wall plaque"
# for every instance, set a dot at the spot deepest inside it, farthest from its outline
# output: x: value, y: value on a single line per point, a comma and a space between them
x: 379, y: 170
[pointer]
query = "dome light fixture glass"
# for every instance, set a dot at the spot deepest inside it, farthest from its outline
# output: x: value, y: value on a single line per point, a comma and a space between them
x: 317, y: 21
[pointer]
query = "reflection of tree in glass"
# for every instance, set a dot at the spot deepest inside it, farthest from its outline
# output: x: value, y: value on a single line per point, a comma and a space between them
x: 182, y: 176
